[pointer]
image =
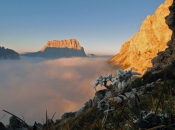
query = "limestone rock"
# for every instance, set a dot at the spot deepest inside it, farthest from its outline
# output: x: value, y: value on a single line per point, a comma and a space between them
x: 168, y: 55
x: 70, y: 43
x: 152, y: 37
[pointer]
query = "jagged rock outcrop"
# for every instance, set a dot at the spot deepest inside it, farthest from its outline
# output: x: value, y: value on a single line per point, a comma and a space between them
x: 168, y: 55
x: 59, y: 49
x: 70, y: 43
x: 144, y: 45
x: 8, y: 54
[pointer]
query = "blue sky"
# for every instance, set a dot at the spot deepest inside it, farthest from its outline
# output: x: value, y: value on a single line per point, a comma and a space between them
x: 101, y: 26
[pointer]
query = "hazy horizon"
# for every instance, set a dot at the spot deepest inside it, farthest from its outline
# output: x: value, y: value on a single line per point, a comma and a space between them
x: 100, y: 26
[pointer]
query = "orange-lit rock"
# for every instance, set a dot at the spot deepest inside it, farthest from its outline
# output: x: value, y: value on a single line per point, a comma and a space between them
x: 70, y: 43
x: 167, y: 56
x: 152, y: 37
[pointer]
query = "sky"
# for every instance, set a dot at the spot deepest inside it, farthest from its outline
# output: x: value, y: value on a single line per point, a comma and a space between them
x: 100, y: 26
x: 31, y: 86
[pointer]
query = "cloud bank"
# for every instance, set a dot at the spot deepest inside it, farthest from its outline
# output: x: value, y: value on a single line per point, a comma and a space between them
x: 30, y: 86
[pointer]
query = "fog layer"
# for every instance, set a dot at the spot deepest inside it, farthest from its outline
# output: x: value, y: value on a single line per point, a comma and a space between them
x: 30, y: 86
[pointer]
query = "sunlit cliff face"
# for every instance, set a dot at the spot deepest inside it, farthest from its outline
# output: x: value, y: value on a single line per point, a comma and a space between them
x: 152, y: 37
x: 30, y: 86
x: 69, y: 43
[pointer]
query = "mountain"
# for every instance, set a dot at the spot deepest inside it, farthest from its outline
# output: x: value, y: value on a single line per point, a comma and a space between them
x: 59, y: 49
x: 167, y: 56
x: 154, y: 94
x: 8, y: 54
x: 146, y: 43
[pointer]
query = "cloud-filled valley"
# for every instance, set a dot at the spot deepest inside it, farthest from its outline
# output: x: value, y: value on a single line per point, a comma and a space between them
x: 31, y: 85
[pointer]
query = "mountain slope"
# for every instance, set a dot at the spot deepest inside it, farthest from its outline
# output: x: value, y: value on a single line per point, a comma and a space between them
x: 147, y: 42
x: 8, y: 54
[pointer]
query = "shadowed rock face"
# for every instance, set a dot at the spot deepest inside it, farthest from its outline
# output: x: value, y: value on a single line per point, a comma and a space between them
x: 58, y: 49
x: 8, y: 54
x: 152, y: 37
x: 168, y: 55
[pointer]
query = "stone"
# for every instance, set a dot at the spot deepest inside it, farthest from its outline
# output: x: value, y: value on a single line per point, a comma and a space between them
x: 147, y: 42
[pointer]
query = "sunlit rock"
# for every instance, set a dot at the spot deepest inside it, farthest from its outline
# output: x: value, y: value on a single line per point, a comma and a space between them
x: 147, y: 42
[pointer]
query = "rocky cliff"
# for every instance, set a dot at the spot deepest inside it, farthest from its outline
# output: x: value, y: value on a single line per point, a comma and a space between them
x: 8, y: 54
x: 168, y: 55
x: 144, y: 45
x: 59, y: 49
x: 70, y: 43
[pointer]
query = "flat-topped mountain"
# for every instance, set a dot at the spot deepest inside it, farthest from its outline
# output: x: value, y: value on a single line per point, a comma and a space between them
x: 147, y: 42
x: 6, y: 53
x: 70, y: 43
x: 59, y: 49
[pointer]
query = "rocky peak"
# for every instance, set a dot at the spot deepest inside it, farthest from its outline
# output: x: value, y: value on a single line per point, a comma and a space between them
x: 144, y: 45
x: 70, y: 43
x: 168, y: 55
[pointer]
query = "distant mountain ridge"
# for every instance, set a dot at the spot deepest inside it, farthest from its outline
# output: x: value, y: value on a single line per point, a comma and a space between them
x: 6, y: 53
x: 138, y: 51
x: 58, y: 49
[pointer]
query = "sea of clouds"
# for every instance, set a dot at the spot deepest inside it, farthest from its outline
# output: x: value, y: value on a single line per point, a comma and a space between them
x: 30, y: 86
